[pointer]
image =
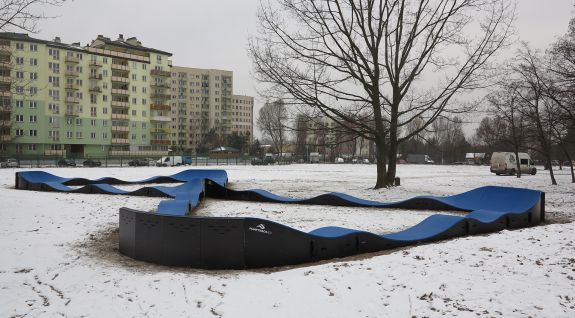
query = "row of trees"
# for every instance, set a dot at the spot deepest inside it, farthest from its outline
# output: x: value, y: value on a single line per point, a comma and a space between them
x: 391, y: 71
x: 373, y: 67
x: 533, y: 109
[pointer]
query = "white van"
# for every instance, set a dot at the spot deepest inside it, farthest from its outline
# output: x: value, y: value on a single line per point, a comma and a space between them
x: 172, y: 161
x: 506, y: 163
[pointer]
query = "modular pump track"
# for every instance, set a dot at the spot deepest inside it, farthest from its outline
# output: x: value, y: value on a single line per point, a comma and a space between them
x: 174, y: 236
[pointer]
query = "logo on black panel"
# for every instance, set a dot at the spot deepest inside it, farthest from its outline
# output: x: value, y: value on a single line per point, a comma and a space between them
x: 260, y: 228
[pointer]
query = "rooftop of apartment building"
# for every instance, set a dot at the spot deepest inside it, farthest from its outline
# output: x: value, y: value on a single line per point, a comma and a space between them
x: 131, y: 44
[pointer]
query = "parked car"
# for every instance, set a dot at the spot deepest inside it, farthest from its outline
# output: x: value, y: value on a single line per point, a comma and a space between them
x: 140, y: 162
x: 92, y: 163
x: 506, y: 163
x: 66, y: 163
x: 339, y: 160
x: 3, y: 164
x: 12, y: 163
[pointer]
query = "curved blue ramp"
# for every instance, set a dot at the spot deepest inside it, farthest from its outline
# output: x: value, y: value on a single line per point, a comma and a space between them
x: 173, y: 236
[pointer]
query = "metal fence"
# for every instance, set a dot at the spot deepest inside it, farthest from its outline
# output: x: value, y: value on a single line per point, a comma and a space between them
x: 50, y: 162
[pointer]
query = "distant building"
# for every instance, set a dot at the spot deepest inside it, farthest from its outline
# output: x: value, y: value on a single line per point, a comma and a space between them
x: 108, y: 98
x: 203, y: 106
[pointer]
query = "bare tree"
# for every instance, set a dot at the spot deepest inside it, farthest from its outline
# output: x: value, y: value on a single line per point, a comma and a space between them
x: 367, y: 64
x: 23, y: 15
x: 509, y: 115
x: 539, y: 110
x: 272, y: 121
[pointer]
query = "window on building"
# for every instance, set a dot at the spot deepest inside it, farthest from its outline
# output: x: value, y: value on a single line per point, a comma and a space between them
x: 93, y: 121
x: 105, y: 110
x: 33, y: 133
x: 33, y: 76
x: 78, y: 134
x: 19, y: 46
x: 19, y: 132
x: 19, y: 103
x: 33, y: 90
x: 69, y: 121
x: 34, y: 47
x: 19, y: 74
x: 33, y: 104
x: 93, y: 135
x: 69, y: 134
x: 20, y: 60
x: 19, y: 118
x: 78, y: 121
x: 133, y: 112
x: 33, y: 61
x: 33, y: 118
x: 32, y: 147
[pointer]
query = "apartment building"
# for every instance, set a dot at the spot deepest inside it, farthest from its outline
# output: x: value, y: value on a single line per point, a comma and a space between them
x: 107, y: 98
x: 204, y: 109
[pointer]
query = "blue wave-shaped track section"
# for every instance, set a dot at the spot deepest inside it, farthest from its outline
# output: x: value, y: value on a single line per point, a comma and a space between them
x: 174, y: 236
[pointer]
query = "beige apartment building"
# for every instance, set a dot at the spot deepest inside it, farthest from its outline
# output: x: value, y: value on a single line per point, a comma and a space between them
x: 106, y: 98
x: 205, y: 111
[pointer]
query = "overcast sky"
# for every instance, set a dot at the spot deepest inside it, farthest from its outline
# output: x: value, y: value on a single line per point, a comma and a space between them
x: 213, y: 34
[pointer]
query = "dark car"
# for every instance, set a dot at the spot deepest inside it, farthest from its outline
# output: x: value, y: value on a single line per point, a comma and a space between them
x: 92, y: 163
x: 139, y: 163
x: 66, y: 163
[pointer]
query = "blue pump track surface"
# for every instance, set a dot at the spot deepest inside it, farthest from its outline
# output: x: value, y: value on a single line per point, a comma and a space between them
x: 174, y: 236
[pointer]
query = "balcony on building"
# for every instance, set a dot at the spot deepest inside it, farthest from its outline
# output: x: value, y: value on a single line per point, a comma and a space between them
x: 160, y: 107
x: 159, y: 130
x: 5, y: 79
x: 120, y: 104
x: 120, y: 79
x: 118, y: 128
x: 72, y: 86
x: 120, y: 67
x: 72, y: 73
x: 95, y: 63
x: 72, y: 112
x: 94, y: 76
x: 161, y: 73
x: 95, y: 89
x: 5, y: 94
x: 5, y: 123
x: 118, y: 91
x: 121, y: 116
x: 120, y: 141
x: 155, y: 85
x: 72, y: 59
x: 161, y: 96
x: 73, y: 100
x: 161, y: 118
x: 5, y: 136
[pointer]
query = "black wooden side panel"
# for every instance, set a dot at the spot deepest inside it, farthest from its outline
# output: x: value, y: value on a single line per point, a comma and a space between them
x: 181, y: 242
x: 222, y: 243
x: 149, y: 236
x: 127, y: 231
x: 270, y: 244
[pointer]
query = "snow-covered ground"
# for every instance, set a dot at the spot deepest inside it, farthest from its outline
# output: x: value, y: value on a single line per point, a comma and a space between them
x: 59, y: 253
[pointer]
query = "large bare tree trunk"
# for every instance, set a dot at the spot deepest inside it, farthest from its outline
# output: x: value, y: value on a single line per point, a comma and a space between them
x: 551, y: 174
x: 518, y: 162
x: 380, y: 154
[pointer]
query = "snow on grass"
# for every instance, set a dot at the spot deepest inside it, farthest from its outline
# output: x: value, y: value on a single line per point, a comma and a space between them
x: 59, y: 253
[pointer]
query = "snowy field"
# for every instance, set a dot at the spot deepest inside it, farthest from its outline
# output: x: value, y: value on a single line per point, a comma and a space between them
x: 59, y: 253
